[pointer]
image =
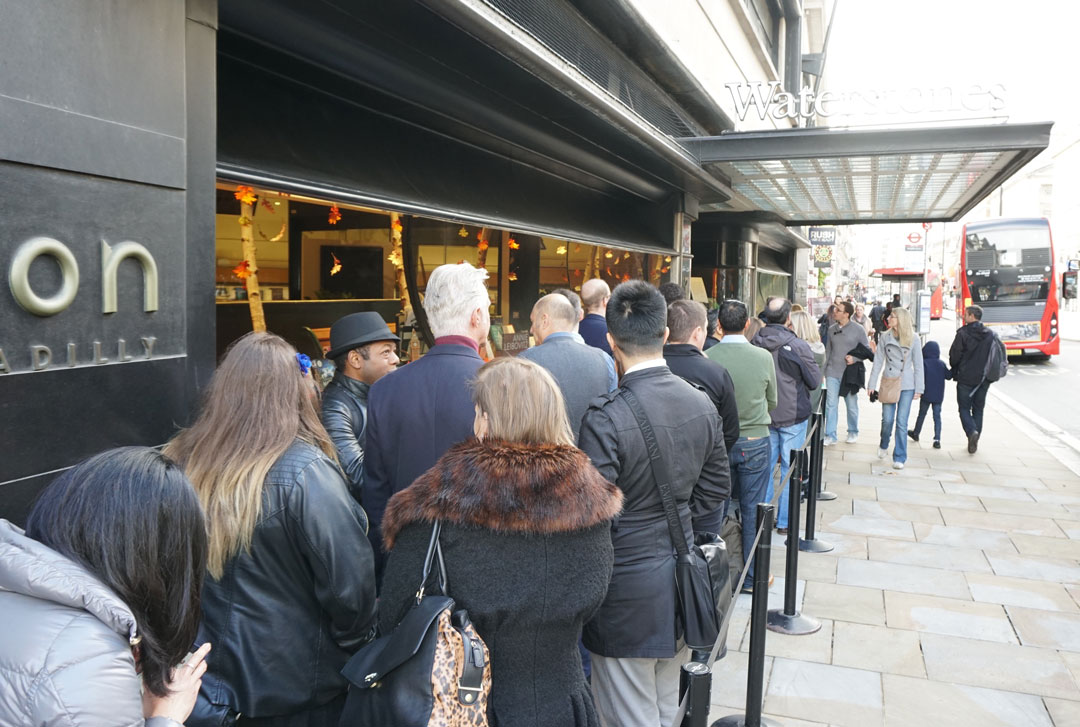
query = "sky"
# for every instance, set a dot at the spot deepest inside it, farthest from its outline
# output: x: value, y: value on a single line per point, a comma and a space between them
x: 1029, y: 47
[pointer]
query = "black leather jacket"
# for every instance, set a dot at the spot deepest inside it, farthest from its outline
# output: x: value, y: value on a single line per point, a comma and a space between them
x: 288, y: 613
x: 344, y: 414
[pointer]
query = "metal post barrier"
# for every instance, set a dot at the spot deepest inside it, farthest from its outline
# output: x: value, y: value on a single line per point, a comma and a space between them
x: 755, y: 673
x: 810, y: 543
x: 695, y: 684
x: 788, y: 620
x: 822, y: 494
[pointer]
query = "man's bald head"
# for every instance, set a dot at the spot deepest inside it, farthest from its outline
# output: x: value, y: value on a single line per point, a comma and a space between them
x: 594, y: 295
x: 552, y: 313
x: 778, y: 310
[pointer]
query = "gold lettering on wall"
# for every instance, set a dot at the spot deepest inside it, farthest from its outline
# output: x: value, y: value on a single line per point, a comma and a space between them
x: 40, y: 357
x: 111, y: 257
x: 19, y: 276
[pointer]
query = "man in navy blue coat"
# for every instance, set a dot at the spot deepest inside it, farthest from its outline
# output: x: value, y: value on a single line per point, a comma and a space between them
x: 418, y: 412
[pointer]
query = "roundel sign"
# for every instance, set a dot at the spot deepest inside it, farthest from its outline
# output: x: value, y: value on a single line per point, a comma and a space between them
x: 914, y: 238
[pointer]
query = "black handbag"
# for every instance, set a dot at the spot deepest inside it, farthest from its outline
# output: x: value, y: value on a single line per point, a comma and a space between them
x: 433, y: 668
x: 702, y: 579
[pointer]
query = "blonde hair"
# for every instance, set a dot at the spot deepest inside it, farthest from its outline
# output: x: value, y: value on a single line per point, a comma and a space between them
x: 804, y: 326
x: 256, y: 406
x: 904, y: 330
x: 522, y: 402
x: 756, y: 324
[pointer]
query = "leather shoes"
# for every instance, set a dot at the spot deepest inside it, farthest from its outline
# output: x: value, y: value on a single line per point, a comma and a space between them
x: 914, y: 437
x: 973, y: 442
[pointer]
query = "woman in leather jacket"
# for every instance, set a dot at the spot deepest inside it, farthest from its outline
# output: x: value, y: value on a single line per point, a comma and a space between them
x: 526, y: 539
x: 100, y: 597
x: 291, y: 587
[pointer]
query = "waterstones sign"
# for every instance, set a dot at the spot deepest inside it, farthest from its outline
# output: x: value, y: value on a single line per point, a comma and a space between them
x: 765, y: 99
x: 37, y: 356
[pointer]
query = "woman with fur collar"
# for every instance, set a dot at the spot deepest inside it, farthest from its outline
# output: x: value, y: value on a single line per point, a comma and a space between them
x: 526, y: 523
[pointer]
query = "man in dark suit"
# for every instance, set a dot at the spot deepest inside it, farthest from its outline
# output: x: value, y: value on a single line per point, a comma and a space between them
x: 687, y: 321
x: 582, y: 372
x: 633, y: 638
x: 595, y: 294
x: 418, y: 412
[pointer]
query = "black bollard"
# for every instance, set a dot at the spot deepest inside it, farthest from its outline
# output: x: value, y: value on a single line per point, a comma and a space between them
x: 695, y: 680
x: 810, y: 543
x: 819, y: 467
x: 755, y: 673
x: 788, y: 620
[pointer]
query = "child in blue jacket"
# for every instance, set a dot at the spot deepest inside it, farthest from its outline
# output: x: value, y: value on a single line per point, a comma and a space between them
x: 934, y: 374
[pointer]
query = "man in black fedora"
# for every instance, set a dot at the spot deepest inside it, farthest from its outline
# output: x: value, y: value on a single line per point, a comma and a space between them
x: 363, y: 351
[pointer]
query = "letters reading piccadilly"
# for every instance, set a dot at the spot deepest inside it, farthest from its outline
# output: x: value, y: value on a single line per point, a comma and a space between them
x: 39, y: 357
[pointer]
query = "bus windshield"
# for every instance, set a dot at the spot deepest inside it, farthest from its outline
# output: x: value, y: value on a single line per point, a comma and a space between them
x: 1008, y: 248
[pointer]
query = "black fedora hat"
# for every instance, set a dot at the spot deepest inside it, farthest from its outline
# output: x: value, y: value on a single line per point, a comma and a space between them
x: 356, y: 329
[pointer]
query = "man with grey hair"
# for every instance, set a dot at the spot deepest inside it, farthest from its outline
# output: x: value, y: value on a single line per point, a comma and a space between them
x: 593, y: 327
x: 418, y: 412
x: 582, y: 372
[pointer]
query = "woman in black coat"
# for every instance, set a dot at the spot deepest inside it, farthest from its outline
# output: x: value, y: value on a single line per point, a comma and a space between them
x: 526, y: 523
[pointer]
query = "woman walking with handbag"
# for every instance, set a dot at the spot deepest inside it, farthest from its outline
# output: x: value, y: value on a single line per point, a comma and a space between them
x: 525, y: 538
x: 899, y: 363
x: 290, y: 587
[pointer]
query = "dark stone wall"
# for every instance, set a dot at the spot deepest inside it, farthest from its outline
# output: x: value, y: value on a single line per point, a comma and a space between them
x: 109, y: 135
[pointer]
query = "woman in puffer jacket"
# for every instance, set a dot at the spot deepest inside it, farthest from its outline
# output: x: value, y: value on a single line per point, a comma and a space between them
x: 898, y: 354
x: 100, y: 597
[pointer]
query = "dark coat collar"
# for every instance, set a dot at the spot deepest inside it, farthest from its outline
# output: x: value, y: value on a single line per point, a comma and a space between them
x: 357, y: 388
x: 453, y: 349
x: 681, y: 349
x: 506, y: 487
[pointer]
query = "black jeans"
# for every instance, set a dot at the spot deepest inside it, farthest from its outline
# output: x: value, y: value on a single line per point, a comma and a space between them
x: 925, y: 405
x: 972, y: 401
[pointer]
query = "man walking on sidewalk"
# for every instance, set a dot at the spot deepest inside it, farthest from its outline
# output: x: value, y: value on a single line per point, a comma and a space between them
x: 967, y: 358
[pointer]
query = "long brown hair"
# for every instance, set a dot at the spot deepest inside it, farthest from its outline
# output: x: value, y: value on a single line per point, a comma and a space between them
x: 522, y: 401
x: 256, y: 406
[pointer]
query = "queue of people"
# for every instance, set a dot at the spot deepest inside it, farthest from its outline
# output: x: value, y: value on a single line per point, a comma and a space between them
x: 229, y: 578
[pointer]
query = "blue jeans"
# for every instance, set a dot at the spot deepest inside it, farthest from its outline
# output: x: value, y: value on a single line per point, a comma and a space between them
x: 924, y: 406
x: 832, y: 408
x: 781, y: 441
x: 972, y: 401
x: 750, y: 474
x: 897, y: 414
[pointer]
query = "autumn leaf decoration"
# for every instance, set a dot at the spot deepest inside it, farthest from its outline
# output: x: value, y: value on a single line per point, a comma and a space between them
x: 245, y: 194
x: 513, y: 244
x: 335, y: 215
x: 336, y: 267
x: 396, y: 224
x: 242, y: 271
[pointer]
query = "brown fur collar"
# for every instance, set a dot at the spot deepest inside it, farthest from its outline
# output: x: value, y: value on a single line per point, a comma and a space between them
x: 506, y: 487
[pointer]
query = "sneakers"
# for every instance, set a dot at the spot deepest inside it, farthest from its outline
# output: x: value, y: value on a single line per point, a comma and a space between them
x: 914, y: 437
x: 852, y: 438
x: 973, y: 442
x: 898, y: 465
x: 829, y: 441
x: 881, y: 453
x: 937, y: 444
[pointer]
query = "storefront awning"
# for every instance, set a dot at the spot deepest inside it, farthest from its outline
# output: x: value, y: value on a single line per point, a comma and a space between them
x: 896, y: 274
x: 835, y: 176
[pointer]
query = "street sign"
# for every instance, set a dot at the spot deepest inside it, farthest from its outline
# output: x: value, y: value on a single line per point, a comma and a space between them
x: 926, y: 225
x: 822, y: 235
x: 914, y: 238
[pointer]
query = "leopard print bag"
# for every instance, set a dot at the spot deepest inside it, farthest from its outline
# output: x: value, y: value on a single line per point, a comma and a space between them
x: 432, y: 670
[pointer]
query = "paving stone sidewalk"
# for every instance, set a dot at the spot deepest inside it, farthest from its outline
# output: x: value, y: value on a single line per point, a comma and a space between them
x: 952, y: 596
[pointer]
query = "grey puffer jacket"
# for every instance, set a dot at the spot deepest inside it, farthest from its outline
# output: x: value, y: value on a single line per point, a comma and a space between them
x: 898, y: 361
x: 65, y: 656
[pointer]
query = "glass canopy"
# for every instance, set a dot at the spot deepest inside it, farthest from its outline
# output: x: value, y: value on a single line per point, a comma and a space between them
x: 819, y: 176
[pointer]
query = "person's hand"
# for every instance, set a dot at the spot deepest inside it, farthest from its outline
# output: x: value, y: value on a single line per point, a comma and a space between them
x: 918, y: 396
x: 871, y: 392
x: 849, y: 359
x: 183, y: 686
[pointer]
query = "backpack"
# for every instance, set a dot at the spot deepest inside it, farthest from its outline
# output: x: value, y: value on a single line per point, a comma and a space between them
x: 997, y: 360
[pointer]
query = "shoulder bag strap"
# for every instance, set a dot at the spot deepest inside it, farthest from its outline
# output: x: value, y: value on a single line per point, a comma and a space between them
x: 434, y: 551
x: 660, y: 473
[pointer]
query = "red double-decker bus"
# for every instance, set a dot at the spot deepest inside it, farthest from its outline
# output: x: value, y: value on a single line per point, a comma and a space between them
x: 1007, y: 268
